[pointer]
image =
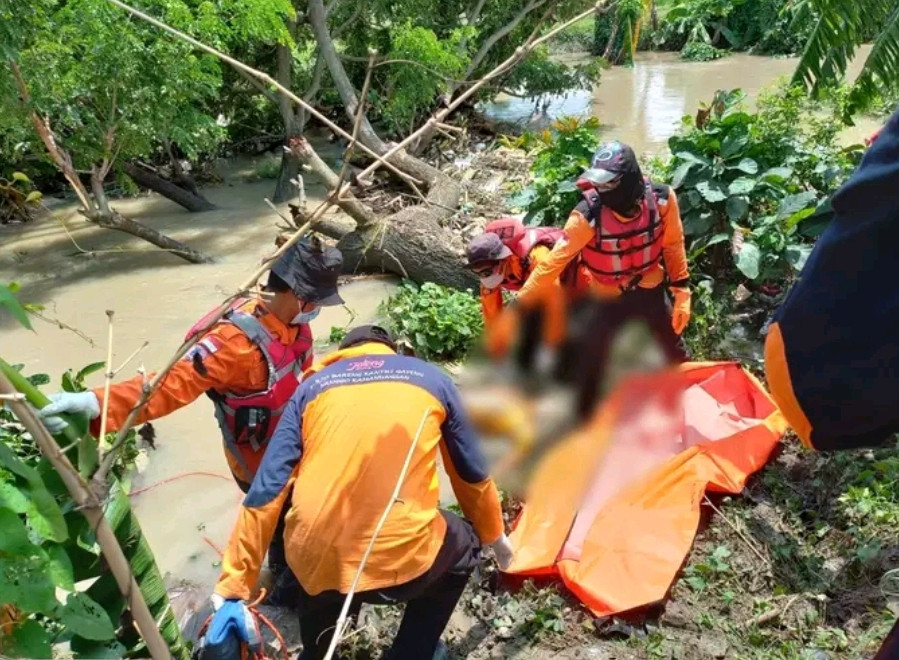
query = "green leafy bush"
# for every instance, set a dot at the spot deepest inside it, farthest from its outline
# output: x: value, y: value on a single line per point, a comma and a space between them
x: 561, y: 154
x: 438, y: 322
x: 753, y: 188
x: 407, y: 92
x: 696, y: 51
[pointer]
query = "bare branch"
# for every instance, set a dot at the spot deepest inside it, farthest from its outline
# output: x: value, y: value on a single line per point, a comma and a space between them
x: 259, y: 87
x: 60, y: 156
x: 492, y: 40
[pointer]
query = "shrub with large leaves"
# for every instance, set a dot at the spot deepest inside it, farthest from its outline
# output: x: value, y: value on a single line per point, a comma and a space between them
x: 755, y: 186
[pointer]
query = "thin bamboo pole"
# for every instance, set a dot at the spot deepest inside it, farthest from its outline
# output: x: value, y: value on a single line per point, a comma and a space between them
x: 394, y: 498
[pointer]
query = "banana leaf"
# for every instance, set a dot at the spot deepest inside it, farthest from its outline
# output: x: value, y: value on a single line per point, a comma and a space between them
x: 121, y: 519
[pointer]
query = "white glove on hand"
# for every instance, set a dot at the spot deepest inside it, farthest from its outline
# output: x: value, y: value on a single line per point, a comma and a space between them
x: 502, y: 550
x: 68, y: 402
x: 217, y: 602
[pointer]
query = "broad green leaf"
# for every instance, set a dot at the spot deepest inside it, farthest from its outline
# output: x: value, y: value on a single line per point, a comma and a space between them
x: 747, y: 165
x: 12, y: 498
x: 797, y: 255
x: 33, y: 197
x: 777, y: 174
x: 44, y: 514
x: 29, y: 640
x: 59, y: 567
x: 14, y: 464
x: 799, y: 216
x: 737, y: 208
x: 793, y: 203
x: 14, y: 307
x: 732, y: 145
x: 20, y: 176
x: 748, y: 260
x: 24, y: 582
x: 698, y: 224
x: 681, y: 173
x: 711, y: 191
x: 84, y: 617
x: 693, y: 158
x: 14, y: 287
x: 13, y: 534
x: 566, y: 187
x: 741, y: 186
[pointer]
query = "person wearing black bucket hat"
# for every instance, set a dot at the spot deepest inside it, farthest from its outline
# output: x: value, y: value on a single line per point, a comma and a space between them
x: 249, y: 364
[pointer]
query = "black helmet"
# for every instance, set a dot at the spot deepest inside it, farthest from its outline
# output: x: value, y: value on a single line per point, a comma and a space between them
x: 615, y: 174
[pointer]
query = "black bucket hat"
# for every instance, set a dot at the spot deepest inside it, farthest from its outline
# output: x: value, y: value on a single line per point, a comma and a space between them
x: 487, y: 247
x: 366, y: 333
x: 311, y: 271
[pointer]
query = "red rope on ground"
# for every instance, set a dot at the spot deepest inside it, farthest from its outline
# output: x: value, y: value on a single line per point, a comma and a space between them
x: 199, y: 473
x: 257, y: 617
x: 212, y: 545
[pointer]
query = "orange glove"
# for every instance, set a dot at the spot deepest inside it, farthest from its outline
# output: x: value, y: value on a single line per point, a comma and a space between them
x: 502, y: 332
x: 680, y: 315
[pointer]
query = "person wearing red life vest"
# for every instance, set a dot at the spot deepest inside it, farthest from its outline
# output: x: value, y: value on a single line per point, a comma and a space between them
x: 503, y: 257
x: 249, y: 364
x: 627, y: 233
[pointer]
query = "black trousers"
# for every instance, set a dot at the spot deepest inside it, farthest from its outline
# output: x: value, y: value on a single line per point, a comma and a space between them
x: 605, y: 318
x: 430, y: 600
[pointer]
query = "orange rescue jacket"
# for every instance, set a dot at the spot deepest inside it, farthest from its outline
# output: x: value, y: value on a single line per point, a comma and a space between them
x: 337, y: 454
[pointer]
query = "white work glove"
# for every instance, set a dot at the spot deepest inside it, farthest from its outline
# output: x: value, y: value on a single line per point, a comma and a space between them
x: 68, y: 402
x: 502, y: 550
x: 217, y: 601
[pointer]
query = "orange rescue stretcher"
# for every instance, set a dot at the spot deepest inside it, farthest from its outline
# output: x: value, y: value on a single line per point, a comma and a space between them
x: 613, y: 509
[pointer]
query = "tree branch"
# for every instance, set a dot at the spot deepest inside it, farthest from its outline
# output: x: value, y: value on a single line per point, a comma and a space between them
x: 492, y: 40
x: 59, y: 156
x: 259, y: 87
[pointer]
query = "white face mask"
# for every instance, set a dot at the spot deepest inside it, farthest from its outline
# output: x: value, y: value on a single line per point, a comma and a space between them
x: 305, y: 317
x: 493, y: 281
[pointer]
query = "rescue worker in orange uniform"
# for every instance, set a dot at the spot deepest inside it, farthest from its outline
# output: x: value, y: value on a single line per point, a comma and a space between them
x: 503, y: 257
x: 249, y: 364
x: 627, y: 232
x: 335, y: 458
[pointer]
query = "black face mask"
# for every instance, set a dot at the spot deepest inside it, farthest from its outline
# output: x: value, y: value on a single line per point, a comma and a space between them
x: 626, y: 197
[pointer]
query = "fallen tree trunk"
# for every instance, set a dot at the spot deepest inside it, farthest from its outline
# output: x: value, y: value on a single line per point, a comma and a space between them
x: 410, y: 243
x: 194, y: 203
